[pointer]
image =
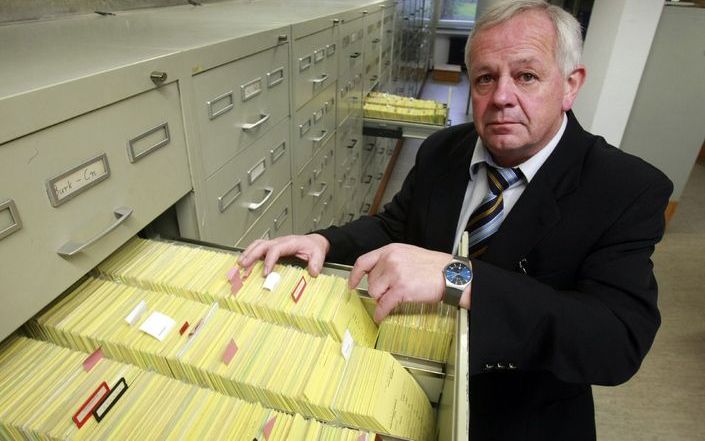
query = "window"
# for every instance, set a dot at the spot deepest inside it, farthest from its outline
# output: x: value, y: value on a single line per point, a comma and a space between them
x: 457, y: 14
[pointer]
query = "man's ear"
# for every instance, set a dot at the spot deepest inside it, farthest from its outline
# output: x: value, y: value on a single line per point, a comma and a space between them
x: 573, y: 83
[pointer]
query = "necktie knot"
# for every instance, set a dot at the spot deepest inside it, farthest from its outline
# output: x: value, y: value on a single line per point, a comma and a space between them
x: 500, y: 179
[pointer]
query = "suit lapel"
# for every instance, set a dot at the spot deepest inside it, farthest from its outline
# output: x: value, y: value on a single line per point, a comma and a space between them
x: 447, y: 194
x: 537, y: 211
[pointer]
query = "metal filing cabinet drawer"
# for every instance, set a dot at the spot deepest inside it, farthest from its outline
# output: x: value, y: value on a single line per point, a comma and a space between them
x: 315, y: 65
x: 240, y: 101
x: 314, y: 124
x: 93, y: 181
x: 239, y: 193
x: 313, y: 186
x: 351, y: 41
x: 373, y: 49
x: 276, y: 221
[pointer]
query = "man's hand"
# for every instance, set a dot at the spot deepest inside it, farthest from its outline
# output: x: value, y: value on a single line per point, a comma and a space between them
x: 400, y: 273
x: 311, y: 248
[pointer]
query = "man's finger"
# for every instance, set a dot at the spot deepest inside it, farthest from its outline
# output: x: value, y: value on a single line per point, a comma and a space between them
x: 385, y: 304
x: 362, y: 266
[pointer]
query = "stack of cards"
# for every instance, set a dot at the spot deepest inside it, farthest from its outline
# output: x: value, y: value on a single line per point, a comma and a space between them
x: 322, y: 306
x: 419, y: 331
x: 48, y: 392
x: 279, y: 367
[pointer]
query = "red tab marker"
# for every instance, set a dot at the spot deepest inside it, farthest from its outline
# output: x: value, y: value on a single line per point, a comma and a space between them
x: 298, y: 290
x: 183, y: 329
x: 85, y: 412
x: 267, y: 430
x: 230, y: 351
x: 92, y: 360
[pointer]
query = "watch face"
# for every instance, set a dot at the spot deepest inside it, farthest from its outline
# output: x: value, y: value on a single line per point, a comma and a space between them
x: 458, y: 273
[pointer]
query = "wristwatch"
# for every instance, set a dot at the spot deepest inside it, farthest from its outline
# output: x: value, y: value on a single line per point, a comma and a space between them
x: 457, y: 275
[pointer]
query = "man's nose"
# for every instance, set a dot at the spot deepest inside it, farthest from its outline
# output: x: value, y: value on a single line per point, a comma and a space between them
x: 504, y: 94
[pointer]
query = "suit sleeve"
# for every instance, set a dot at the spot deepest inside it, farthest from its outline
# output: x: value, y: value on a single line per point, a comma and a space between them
x: 596, y: 333
x: 371, y: 232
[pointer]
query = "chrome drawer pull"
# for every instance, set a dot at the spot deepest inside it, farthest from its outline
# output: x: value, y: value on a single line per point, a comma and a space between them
x: 319, y: 81
x: 133, y: 151
x: 319, y: 193
x: 367, y: 179
x: 275, y: 77
x: 277, y: 152
x: 279, y: 220
x: 212, y: 113
x: 355, y: 55
x: 224, y: 202
x: 254, y: 206
x: 353, y: 144
x: 320, y: 138
x: 264, y: 117
x: 375, y: 40
x: 71, y: 248
x: 14, y: 223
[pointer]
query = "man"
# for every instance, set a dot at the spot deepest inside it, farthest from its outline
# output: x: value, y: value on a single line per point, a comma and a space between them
x: 562, y: 226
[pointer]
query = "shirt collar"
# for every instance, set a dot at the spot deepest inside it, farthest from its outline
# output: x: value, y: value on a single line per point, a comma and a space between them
x: 529, y: 167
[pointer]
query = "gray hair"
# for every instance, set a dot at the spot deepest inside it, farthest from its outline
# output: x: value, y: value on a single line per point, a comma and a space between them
x: 569, y: 39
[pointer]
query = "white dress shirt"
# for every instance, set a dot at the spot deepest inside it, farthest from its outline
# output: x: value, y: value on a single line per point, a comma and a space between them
x: 478, y: 188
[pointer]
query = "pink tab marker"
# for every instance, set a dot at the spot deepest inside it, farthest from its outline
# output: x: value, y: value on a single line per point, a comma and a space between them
x: 230, y: 351
x: 235, y: 280
x: 362, y: 437
x: 92, y: 360
x: 268, y: 428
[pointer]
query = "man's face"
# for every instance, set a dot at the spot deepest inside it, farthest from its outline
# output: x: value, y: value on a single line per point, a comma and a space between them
x: 518, y: 91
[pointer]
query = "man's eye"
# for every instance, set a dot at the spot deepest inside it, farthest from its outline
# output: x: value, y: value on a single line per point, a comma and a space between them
x: 484, y: 79
x: 527, y: 77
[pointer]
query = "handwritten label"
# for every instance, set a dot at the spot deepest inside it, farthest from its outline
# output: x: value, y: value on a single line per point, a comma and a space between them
x: 78, y: 179
x: 158, y: 325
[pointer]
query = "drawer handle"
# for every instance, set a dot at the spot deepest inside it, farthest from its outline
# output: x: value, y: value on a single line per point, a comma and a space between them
x: 71, y: 248
x: 319, y: 193
x: 15, y: 222
x: 279, y: 220
x: 320, y: 138
x: 369, y: 147
x: 367, y: 179
x: 275, y: 77
x: 353, y: 144
x: 212, y: 113
x: 365, y: 208
x: 375, y: 40
x: 224, y: 202
x: 264, y: 117
x: 136, y: 155
x: 254, y: 206
x: 277, y: 152
x: 355, y: 55
x: 319, y: 81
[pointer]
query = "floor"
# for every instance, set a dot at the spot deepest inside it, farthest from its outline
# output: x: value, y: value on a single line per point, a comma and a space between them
x: 665, y: 401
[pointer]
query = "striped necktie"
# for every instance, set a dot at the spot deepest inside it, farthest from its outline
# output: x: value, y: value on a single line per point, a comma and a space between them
x: 488, y: 216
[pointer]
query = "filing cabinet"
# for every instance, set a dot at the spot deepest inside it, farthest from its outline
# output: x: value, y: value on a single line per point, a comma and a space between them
x: 313, y: 186
x: 373, y: 48
x: 315, y: 65
x: 240, y: 191
x: 275, y: 221
x: 314, y: 124
x: 238, y: 102
x: 74, y: 192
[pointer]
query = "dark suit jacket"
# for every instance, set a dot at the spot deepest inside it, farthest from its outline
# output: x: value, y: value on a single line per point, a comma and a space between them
x: 585, y: 313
